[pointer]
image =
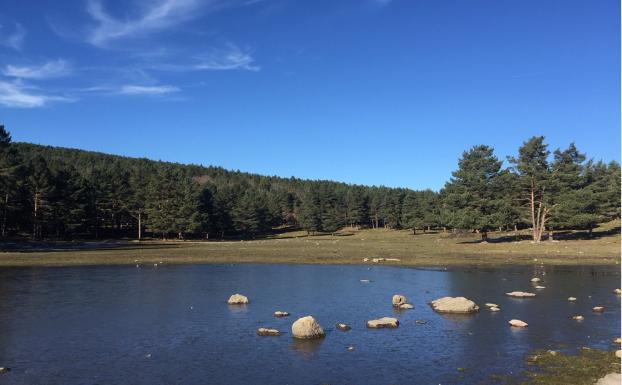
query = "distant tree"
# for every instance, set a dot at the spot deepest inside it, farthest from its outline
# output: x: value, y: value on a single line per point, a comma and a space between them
x: 534, y: 178
x: 412, y: 212
x: 310, y: 211
x: 41, y: 187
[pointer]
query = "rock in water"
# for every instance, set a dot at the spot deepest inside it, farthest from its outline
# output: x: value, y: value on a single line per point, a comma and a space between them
x: 398, y: 300
x: 535, y: 280
x: 342, y: 327
x: 572, y: 299
x: 520, y: 294
x: 279, y: 313
x: 578, y: 318
x: 384, y: 322
x: 610, y: 379
x: 268, y: 332
x: 237, y: 299
x: 307, y: 328
x: 4, y: 369
x: 494, y: 308
x: 617, y: 291
x: 518, y: 323
x: 454, y: 305
x: 598, y: 309
x: 406, y: 306
x: 617, y: 341
x: 488, y: 304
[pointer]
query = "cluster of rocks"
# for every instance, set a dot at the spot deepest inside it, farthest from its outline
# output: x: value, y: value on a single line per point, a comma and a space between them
x: 399, y: 302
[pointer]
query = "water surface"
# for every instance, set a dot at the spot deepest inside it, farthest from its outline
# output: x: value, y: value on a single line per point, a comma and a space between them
x: 171, y: 324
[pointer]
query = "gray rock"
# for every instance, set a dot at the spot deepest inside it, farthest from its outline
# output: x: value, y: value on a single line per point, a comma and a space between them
x: 384, y: 322
x: 268, y: 332
x: 454, y: 305
x: 307, y: 328
x: 237, y: 299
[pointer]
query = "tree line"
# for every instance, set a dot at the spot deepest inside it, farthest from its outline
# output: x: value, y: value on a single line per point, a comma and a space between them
x: 60, y: 193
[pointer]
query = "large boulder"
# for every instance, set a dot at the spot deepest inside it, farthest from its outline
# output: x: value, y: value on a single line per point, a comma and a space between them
x: 237, y: 299
x: 610, y: 379
x: 454, y: 305
x: 398, y: 300
x: 520, y: 294
x: 307, y: 328
x: 384, y: 322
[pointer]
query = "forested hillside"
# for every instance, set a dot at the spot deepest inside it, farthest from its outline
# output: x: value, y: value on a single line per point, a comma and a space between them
x: 59, y: 193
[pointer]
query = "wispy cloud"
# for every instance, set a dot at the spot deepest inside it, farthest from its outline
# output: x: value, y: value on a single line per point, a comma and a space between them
x: 50, y: 69
x: 15, y: 94
x: 162, y: 14
x: 147, y: 90
x: 12, y: 38
x: 231, y: 59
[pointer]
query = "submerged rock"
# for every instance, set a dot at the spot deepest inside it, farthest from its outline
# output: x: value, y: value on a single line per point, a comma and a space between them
x: 520, y: 294
x: 343, y: 327
x: 518, y: 323
x: 494, y: 308
x: 454, y: 305
x: 488, y: 304
x: 540, y: 287
x: 279, y: 314
x: 572, y: 299
x: 578, y: 318
x: 237, y: 299
x: 307, y: 328
x: 268, y: 332
x: 398, y: 300
x: 536, y: 280
x: 406, y: 306
x: 384, y: 322
x: 598, y: 309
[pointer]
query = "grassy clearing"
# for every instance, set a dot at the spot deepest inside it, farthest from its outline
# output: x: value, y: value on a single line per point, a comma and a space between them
x: 345, y: 247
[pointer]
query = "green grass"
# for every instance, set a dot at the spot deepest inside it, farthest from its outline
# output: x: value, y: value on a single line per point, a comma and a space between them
x: 345, y: 247
x: 564, y: 369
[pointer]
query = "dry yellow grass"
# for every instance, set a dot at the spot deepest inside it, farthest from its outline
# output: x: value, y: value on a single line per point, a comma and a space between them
x: 345, y: 247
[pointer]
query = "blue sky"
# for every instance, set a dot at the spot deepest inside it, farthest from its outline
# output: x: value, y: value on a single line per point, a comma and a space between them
x: 370, y: 91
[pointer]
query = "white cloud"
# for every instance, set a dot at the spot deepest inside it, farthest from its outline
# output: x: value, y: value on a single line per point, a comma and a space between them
x: 13, y: 39
x: 147, y: 90
x: 50, y: 69
x: 232, y: 59
x: 17, y: 95
x: 154, y: 16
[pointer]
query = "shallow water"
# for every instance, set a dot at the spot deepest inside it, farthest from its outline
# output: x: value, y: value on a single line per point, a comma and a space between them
x: 171, y: 324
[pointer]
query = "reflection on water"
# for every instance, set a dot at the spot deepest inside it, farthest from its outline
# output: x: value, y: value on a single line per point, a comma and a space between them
x: 172, y: 325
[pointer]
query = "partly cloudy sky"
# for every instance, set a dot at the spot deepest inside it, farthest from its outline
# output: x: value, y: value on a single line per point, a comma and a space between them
x: 363, y: 91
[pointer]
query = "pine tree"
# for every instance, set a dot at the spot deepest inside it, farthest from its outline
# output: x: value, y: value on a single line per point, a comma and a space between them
x: 471, y: 192
x: 534, y: 177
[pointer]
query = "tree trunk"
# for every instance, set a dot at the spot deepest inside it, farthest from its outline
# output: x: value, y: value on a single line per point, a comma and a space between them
x: 484, y: 236
x: 140, y: 225
x: 34, y: 220
x: 516, y: 233
x: 551, y: 235
x: 4, y: 214
x: 414, y: 231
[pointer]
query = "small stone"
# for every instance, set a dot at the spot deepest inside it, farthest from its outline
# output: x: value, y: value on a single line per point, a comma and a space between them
x: 421, y: 322
x: 617, y: 291
x: 619, y: 353
x: 535, y: 280
x: 398, y: 300
x: 518, y: 323
x: 552, y: 352
x: 488, y: 304
x: 365, y: 280
x: 572, y: 299
x: 494, y: 309
x: 350, y: 348
x: 598, y: 309
x: 343, y: 327
x: 520, y: 294
x: 578, y: 318
x: 279, y: 314
x: 384, y: 322
x: 365, y: 259
x: 237, y: 299
x: 4, y: 369
x: 540, y: 287
x: 406, y: 306
x: 617, y: 341
x: 268, y: 332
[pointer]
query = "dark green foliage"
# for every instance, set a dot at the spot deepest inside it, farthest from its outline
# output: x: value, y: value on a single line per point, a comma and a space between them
x: 65, y: 193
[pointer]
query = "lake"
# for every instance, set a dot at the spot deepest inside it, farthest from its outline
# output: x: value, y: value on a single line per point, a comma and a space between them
x: 172, y: 325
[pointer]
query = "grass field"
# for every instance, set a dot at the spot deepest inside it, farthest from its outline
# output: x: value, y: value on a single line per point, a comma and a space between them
x: 348, y: 246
